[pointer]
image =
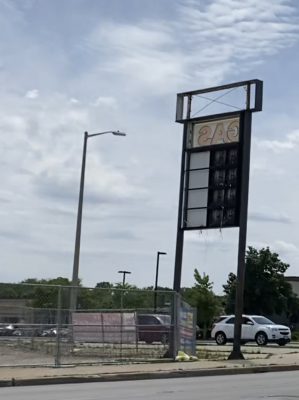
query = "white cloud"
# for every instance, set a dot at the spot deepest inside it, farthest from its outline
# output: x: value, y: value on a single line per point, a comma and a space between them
x: 269, y: 216
x: 278, y: 146
x: 287, y: 251
x: 106, y: 102
x: 114, y: 73
x: 206, y: 41
x: 32, y: 94
x: 261, y: 167
x: 285, y: 247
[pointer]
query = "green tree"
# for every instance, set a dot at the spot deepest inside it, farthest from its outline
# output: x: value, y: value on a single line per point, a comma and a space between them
x: 44, y: 292
x: 230, y: 293
x: 104, y: 285
x: 202, y: 297
x: 265, y: 290
x: 9, y: 291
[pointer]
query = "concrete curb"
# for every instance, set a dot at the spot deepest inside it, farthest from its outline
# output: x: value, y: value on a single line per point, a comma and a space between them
x: 127, y: 376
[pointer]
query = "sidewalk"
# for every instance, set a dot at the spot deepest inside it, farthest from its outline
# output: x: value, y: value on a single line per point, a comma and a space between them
x: 261, y: 362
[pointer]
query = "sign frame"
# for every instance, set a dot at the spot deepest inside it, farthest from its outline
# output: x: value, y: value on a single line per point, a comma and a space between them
x: 187, y: 151
x: 184, y: 100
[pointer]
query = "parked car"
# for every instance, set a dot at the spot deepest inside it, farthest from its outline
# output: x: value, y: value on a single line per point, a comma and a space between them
x: 153, y: 328
x: 52, y: 332
x: 199, y: 332
x: 6, y: 330
x: 27, y: 330
x: 254, y: 328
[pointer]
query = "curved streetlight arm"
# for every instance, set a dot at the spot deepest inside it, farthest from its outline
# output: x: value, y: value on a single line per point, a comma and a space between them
x: 159, y: 253
x: 116, y: 133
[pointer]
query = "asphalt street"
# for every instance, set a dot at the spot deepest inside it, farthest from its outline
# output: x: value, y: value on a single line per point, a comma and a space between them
x: 273, y: 386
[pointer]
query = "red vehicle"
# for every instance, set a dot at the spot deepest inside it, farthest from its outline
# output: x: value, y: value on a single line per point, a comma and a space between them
x: 153, y: 328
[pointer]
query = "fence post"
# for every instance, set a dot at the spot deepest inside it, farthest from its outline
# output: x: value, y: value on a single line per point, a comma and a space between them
x: 58, y: 327
x: 177, y: 305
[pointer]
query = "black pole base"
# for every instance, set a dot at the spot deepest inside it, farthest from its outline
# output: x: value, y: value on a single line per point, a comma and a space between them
x: 236, y: 355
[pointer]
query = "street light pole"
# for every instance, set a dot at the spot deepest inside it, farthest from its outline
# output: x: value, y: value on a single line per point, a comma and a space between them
x: 122, y: 293
x: 75, y: 277
x: 73, y: 300
x: 124, y: 276
x: 159, y: 253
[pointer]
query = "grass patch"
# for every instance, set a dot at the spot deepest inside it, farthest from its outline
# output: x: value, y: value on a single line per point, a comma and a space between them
x: 203, y: 354
x: 295, y: 336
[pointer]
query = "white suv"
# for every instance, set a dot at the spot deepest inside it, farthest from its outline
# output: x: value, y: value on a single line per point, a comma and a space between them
x: 254, y: 328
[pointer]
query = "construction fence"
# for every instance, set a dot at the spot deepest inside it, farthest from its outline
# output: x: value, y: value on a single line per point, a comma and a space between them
x: 64, y: 325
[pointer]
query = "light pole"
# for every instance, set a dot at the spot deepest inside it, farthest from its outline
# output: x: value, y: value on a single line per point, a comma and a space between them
x: 73, y: 297
x: 159, y: 253
x: 124, y: 276
x: 122, y: 290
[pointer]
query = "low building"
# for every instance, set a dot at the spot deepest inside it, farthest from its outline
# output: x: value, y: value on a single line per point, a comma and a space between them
x: 13, y: 311
x: 294, y: 282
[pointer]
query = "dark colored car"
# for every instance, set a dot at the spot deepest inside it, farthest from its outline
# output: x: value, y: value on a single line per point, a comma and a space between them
x: 153, y: 328
x: 199, y: 333
x: 52, y: 332
x: 6, y: 330
x: 27, y: 330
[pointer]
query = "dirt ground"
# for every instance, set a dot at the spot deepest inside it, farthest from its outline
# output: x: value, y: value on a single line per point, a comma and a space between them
x: 20, y: 352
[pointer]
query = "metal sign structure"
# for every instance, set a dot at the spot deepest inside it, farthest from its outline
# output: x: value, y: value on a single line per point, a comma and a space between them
x: 214, y: 179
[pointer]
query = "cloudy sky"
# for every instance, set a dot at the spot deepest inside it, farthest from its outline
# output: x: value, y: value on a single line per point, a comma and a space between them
x: 69, y: 66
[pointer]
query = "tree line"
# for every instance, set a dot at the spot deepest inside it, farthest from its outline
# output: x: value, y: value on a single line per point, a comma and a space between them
x: 266, y: 292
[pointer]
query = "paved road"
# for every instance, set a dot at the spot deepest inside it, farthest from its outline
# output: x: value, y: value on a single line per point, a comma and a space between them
x: 272, y: 386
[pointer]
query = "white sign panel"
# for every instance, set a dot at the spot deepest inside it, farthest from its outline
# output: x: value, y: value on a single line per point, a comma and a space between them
x: 215, y: 132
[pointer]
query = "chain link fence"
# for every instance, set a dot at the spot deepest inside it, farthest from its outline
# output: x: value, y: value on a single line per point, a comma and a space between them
x: 106, y: 325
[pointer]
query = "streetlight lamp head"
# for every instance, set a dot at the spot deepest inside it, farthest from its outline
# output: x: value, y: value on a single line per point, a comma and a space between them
x: 124, y: 275
x: 118, y: 133
x: 162, y: 253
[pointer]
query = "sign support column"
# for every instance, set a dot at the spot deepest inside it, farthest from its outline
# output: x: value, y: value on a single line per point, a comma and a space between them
x: 236, y: 353
x: 180, y: 230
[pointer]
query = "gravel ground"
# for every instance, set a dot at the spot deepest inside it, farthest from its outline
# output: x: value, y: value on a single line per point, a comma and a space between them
x: 25, y: 352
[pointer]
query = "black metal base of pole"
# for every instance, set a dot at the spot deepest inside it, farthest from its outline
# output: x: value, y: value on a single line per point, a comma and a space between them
x: 236, y: 355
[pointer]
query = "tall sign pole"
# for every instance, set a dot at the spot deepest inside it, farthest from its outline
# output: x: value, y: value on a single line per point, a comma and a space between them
x: 180, y: 230
x: 236, y: 353
x: 214, y: 179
